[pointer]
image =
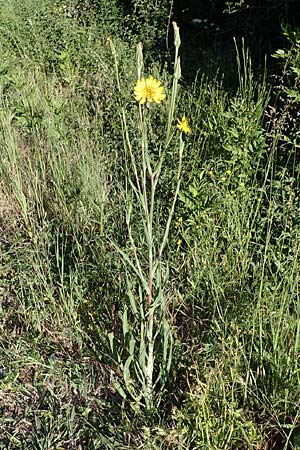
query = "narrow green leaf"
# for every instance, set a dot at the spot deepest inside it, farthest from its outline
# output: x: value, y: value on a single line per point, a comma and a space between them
x: 131, y: 264
x: 119, y: 389
x: 131, y: 298
x: 125, y: 321
x: 131, y: 346
x: 111, y: 341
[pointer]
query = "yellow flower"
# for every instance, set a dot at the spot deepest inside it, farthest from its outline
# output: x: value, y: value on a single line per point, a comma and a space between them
x: 228, y: 172
x: 149, y: 90
x: 183, y: 125
x: 179, y: 222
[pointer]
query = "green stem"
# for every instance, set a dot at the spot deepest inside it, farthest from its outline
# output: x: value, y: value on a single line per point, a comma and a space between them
x: 171, y: 213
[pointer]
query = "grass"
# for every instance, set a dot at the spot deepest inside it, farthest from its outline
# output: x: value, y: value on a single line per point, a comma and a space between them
x: 148, y: 278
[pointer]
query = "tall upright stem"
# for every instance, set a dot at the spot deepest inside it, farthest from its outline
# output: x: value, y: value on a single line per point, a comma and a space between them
x: 150, y: 362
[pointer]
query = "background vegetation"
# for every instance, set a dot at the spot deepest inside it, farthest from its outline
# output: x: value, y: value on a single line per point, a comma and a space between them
x: 223, y: 233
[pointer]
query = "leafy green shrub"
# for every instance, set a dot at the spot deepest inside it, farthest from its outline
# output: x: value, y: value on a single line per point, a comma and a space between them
x: 284, y: 116
x: 211, y: 416
x: 148, y: 20
x: 290, y: 61
x: 134, y: 20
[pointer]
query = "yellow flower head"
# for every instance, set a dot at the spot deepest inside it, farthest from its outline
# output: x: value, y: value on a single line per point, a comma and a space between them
x: 183, y: 125
x: 149, y: 90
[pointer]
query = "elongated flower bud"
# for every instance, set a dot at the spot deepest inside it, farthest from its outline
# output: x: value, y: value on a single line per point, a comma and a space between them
x: 139, y: 59
x: 177, y: 40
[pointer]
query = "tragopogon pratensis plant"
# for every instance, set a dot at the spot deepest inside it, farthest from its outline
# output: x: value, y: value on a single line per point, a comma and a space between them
x: 144, y: 353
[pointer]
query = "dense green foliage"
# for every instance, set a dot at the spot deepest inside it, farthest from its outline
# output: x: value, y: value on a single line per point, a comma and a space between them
x: 149, y: 279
